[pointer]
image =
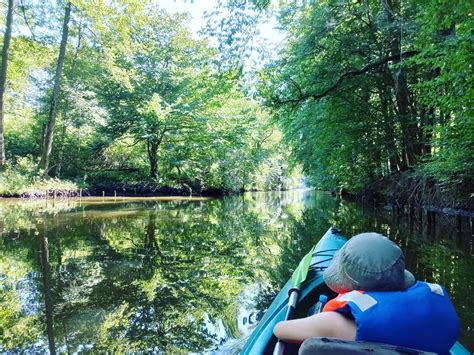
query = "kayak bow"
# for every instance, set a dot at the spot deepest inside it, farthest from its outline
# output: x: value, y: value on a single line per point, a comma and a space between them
x: 262, y: 339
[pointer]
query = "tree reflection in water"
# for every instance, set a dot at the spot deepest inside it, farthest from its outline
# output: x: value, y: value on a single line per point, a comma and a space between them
x: 167, y: 276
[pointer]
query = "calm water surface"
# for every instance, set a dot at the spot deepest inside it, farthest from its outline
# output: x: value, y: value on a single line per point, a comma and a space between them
x: 186, y: 275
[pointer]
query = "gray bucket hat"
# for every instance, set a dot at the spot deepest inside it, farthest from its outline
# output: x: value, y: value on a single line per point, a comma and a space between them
x: 370, y: 262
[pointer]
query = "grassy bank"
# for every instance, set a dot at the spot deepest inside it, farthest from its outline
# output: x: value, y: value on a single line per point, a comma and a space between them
x: 20, y: 182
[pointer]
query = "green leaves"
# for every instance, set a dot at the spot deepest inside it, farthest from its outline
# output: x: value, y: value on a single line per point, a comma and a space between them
x: 142, y: 98
x: 354, y: 116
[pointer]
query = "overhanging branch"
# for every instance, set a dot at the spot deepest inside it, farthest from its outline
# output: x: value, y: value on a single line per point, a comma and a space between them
x: 341, y: 79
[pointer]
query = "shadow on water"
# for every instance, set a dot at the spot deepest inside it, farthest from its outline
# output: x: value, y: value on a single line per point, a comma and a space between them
x: 187, y: 275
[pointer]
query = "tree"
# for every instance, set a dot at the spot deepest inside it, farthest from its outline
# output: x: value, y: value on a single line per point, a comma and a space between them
x: 137, y: 100
x: 365, y: 91
x: 3, y: 76
x: 170, y: 93
x: 49, y: 134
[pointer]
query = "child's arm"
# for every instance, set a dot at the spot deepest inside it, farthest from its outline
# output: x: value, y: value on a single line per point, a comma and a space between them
x: 326, y: 324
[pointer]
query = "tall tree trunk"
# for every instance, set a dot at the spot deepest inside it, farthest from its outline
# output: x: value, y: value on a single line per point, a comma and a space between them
x: 428, y: 131
x: 3, y: 76
x: 402, y: 94
x: 59, y: 165
x: 152, y: 148
x: 48, y: 144
x: 395, y: 163
x: 406, y: 117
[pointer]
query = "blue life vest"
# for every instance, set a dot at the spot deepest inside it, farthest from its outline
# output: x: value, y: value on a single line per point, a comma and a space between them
x: 420, y: 317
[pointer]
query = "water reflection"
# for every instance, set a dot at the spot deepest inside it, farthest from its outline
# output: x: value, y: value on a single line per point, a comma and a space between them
x: 186, y: 275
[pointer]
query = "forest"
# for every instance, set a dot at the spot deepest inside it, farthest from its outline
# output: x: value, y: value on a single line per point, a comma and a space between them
x: 360, y: 96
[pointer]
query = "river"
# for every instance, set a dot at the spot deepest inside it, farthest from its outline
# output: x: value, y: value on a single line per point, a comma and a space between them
x: 187, y: 275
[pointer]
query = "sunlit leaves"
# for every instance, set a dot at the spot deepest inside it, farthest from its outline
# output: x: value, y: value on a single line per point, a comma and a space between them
x: 359, y: 132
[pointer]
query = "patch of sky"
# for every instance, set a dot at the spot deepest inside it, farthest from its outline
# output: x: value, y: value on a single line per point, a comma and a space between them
x: 265, y: 44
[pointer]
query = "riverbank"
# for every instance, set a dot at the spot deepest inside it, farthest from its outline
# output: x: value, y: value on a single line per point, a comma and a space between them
x: 403, y: 193
x: 55, y: 188
x: 150, y: 189
x: 406, y: 193
x: 36, y: 188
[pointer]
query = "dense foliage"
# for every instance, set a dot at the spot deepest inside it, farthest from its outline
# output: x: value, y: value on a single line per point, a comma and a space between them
x: 123, y: 92
x: 365, y: 90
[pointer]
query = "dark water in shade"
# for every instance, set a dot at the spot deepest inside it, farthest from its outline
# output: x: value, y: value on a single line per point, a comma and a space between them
x: 186, y: 275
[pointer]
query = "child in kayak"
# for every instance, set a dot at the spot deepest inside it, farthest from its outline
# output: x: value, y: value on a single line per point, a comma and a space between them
x: 379, y: 301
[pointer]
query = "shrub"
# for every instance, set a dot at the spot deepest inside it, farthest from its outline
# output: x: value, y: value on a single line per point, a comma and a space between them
x: 22, y: 179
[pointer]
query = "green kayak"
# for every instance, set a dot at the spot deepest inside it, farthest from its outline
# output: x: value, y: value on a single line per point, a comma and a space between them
x: 262, y: 340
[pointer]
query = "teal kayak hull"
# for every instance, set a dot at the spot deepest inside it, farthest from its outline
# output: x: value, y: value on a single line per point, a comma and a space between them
x: 262, y: 340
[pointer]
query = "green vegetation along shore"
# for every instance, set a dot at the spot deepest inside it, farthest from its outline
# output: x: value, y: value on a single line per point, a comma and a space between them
x: 372, y: 94
x: 360, y: 96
